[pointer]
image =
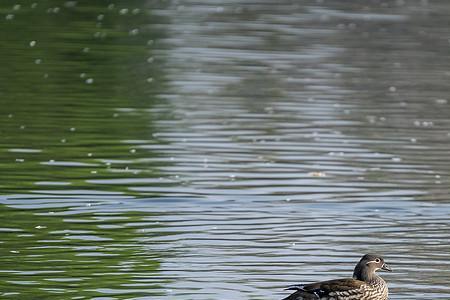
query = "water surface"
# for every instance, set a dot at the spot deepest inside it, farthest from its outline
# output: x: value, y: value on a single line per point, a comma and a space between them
x: 222, y: 150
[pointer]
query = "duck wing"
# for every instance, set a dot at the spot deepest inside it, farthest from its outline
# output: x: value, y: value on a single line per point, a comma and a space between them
x: 318, y: 290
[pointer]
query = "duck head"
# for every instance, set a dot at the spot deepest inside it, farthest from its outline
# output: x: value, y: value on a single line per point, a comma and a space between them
x: 368, y: 265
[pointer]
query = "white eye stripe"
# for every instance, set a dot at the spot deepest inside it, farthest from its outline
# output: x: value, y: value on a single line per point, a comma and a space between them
x: 377, y: 261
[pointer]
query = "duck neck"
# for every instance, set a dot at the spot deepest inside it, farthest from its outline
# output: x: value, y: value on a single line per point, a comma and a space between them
x: 365, y: 274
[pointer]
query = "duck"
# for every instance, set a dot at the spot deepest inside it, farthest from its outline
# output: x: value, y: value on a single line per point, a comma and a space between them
x: 364, y: 285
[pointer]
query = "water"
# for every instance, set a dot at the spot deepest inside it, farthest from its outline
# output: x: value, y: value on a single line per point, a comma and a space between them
x: 222, y: 149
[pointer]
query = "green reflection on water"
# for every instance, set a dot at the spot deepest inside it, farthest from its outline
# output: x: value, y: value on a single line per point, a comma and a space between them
x: 76, y: 79
x: 66, y: 77
x: 84, y: 256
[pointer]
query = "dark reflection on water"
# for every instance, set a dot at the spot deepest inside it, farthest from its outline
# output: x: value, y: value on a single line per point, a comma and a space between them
x: 222, y: 150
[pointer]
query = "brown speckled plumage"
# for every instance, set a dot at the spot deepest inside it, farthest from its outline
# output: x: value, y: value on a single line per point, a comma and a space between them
x: 365, y: 284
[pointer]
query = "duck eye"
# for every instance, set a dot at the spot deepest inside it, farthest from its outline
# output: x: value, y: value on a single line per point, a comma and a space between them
x: 377, y: 260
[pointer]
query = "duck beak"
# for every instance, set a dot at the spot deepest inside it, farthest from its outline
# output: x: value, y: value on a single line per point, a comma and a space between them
x: 385, y: 267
